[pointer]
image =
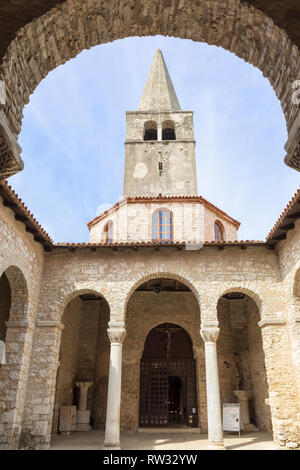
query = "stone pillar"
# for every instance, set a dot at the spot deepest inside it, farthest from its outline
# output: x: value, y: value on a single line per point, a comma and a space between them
x: 83, y: 414
x: 159, y: 132
x: 215, y: 433
x: 116, y: 333
x: 13, y: 380
x: 36, y: 429
x: 281, y: 381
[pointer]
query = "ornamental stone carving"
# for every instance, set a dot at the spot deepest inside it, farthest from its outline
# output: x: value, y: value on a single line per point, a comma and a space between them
x: 210, y: 335
x: 116, y: 332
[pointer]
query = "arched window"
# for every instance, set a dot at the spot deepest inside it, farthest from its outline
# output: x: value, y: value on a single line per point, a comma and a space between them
x: 168, y: 130
x: 150, y: 130
x: 162, y: 226
x: 108, y: 232
x: 219, y: 232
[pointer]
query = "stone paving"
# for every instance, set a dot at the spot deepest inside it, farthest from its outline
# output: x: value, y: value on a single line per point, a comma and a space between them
x: 163, y: 441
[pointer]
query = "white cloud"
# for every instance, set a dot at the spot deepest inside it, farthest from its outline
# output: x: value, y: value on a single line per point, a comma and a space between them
x: 103, y: 207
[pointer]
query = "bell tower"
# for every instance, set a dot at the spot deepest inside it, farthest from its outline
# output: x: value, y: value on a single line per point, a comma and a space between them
x: 160, y: 145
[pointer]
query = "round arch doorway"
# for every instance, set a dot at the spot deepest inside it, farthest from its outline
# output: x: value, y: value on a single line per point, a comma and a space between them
x: 168, y: 390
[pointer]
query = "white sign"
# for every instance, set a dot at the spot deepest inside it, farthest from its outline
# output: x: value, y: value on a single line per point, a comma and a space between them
x: 231, y: 417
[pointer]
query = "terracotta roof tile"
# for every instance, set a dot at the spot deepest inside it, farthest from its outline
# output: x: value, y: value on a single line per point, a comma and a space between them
x: 8, y: 193
x: 283, y: 215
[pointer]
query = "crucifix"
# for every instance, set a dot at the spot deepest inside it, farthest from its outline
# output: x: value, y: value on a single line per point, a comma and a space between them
x: 168, y: 330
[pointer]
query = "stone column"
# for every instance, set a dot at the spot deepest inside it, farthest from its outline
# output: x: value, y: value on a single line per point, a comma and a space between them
x: 83, y: 414
x: 215, y: 433
x: 282, y: 386
x: 116, y: 333
x: 37, y: 423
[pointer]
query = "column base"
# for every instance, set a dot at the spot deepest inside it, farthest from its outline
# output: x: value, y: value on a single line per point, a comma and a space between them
x: 216, y: 446
x: 109, y: 446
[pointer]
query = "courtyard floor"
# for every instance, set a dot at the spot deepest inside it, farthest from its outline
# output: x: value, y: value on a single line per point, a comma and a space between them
x: 94, y: 440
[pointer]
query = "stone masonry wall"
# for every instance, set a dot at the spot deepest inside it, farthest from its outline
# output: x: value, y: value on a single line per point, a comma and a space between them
x: 21, y: 259
x: 210, y: 217
x: 289, y: 258
x: 133, y: 222
x: 115, y: 275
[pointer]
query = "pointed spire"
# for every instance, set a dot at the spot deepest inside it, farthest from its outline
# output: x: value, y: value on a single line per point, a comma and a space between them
x: 159, y: 93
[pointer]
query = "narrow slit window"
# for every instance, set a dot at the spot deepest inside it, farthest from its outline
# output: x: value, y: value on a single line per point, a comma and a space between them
x: 108, y: 232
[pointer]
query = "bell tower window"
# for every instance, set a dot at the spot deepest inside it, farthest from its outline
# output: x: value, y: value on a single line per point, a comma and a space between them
x: 168, y: 130
x: 150, y: 130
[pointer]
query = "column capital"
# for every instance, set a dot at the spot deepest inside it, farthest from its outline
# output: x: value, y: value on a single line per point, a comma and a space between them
x: 116, y: 332
x: 210, y: 334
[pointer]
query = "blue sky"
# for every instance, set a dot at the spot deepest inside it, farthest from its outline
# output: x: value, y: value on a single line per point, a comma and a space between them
x: 74, y: 130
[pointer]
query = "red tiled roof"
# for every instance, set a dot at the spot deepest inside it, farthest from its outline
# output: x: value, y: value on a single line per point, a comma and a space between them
x: 159, y: 199
x: 284, y: 214
x: 157, y: 244
x: 12, y: 200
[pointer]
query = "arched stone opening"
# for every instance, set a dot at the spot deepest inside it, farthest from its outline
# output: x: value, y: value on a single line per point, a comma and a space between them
x: 5, y: 302
x: 14, y: 294
x: 15, y: 335
x: 155, y: 302
x: 182, y: 278
x: 68, y: 29
x: 168, y: 130
x: 168, y: 391
x: 83, y: 358
x: 241, y: 359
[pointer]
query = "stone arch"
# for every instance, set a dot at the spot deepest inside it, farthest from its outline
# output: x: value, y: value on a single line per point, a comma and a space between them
x: 182, y: 277
x: 244, y: 290
x: 168, y: 130
x: 241, y: 352
x: 83, y: 320
x: 65, y: 31
x: 181, y: 324
x: 64, y: 300
x: 19, y: 293
x: 150, y: 130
